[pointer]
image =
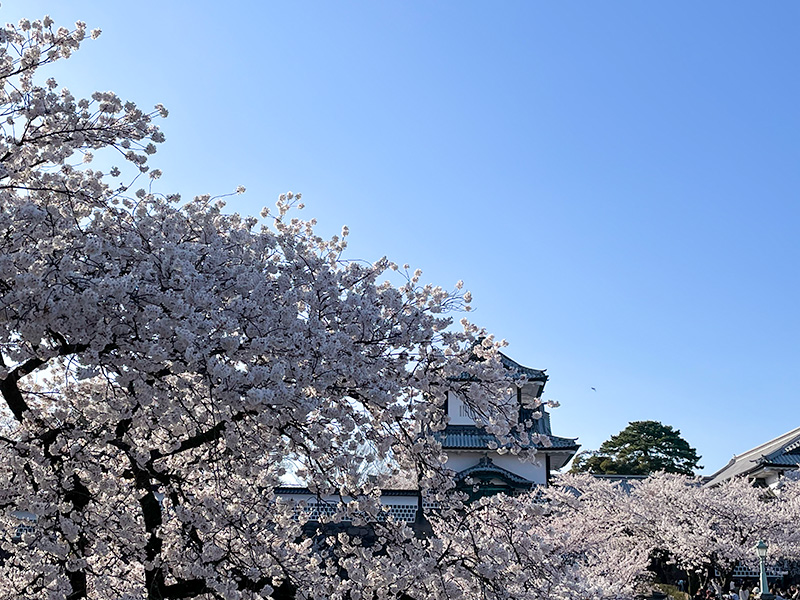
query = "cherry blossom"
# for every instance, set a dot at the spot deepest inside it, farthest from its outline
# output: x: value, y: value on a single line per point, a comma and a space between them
x: 163, y: 363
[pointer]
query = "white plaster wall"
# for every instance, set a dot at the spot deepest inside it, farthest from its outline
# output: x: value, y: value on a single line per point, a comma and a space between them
x: 460, y: 413
x: 458, y: 461
x: 457, y: 411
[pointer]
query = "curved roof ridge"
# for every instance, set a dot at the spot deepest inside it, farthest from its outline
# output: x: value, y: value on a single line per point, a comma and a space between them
x: 532, y: 374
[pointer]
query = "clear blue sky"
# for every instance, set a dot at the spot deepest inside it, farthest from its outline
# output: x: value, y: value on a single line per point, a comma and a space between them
x: 617, y: 183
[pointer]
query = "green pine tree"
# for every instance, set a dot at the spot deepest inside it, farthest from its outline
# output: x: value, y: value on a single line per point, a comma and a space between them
x: 642, y: 448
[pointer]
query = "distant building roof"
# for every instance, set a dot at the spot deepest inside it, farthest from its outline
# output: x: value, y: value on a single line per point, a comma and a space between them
x: 625, y: 482
x: 781, y: 453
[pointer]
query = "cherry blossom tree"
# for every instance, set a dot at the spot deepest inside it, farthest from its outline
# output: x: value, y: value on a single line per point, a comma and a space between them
x: 594, y: 538
x: 161, y: 363
x: 164, y: 364
x: 504, y: 547
x: 704, y: 531
x: 709, y: 530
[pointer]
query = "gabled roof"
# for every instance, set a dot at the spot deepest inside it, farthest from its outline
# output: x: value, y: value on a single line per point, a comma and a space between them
x: 783, y: 452
x: 472, y: 437
x: 486, y: 467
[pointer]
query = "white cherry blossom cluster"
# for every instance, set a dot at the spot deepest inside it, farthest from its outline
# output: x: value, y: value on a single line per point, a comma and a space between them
x: 705, y: 531
x: 708, y: 529
x: 164, y: 364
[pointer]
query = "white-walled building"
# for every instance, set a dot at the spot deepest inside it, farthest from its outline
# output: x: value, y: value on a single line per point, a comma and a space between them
x: 474, y: 455
x: 764, y: 464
